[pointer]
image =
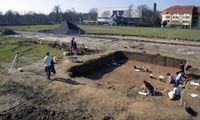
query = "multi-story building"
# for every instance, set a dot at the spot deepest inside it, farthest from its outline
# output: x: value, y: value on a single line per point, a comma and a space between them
x: 181, y: 16
x: 196, y: 17
x: 106, y: 15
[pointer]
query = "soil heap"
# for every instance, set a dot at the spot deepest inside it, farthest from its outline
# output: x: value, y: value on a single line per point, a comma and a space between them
x: 6, y: 31
x: 65, y: 28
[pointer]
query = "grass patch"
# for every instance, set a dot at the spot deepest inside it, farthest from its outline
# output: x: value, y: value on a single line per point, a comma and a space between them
x: 28, y: 53
x: 33, y: 27
x: 183, y: 34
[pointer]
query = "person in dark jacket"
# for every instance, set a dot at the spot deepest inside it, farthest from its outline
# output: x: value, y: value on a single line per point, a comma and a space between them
x: 148, y: 88
x: 182, y: 68
x: 52, y: 67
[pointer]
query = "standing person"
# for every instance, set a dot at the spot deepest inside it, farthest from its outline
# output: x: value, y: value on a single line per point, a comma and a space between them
x: 148, y: 88
x: 75, y: 48
x: 175, y: 94
x: 72, y: 46
x: 182, y: 68
x: 47, y: 63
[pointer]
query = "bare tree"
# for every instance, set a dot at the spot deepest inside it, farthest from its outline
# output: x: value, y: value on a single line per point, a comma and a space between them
x: 93, y: 14
x: 150, y: 17
x: 93, y: 10
x: 106, y: 14
x: 129, y: 11
x: 56, y: 14
x: 1, y: 17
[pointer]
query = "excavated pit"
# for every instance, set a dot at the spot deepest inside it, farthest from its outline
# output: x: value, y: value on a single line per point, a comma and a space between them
x: 117, y: 69
x: 113, y: 60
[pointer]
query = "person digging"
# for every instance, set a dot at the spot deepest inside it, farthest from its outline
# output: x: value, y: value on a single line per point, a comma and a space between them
x: 148, y: 88
x: 175, y: 94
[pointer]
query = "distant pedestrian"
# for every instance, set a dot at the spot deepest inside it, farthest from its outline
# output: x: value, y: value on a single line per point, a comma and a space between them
x: 47, y: 63
x: 73, y: 47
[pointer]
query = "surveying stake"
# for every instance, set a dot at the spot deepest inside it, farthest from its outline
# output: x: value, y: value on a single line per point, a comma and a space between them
x: 14, y: 61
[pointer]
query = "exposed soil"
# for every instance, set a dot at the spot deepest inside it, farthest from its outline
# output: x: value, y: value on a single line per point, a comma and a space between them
x: 179, y: 49
x: 81, y: 50
x: 106, y: 94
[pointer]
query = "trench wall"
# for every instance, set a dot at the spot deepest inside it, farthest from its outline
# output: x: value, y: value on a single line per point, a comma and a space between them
x: 94, y: 64
x: 154, y: 59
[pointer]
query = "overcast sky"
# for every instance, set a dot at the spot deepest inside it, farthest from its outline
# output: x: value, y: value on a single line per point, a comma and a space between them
x: 46, y: 6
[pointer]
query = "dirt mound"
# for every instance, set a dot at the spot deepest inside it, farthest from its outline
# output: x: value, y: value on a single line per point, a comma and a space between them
x: 65, y: 28
x: 6, y: 31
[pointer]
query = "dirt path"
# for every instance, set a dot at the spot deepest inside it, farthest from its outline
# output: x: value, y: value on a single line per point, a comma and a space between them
x: 147, y: 40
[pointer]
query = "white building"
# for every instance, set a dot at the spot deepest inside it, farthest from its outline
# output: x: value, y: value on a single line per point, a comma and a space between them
x: 106, y: 15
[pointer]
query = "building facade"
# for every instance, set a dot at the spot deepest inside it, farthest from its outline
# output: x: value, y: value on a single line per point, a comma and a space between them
x: 106, y: 15
x: 181, y: 16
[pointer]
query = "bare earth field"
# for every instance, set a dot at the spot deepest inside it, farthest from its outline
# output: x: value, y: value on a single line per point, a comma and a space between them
x: 108, y: 93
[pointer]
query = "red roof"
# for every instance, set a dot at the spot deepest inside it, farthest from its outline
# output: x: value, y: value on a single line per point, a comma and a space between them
x: 179, y: 9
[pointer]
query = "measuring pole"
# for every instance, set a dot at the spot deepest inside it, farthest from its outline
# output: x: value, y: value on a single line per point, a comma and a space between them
x: 16, y: 61
x: 12, y: 64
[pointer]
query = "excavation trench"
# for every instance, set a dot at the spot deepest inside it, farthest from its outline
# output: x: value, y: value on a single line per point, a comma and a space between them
x: 112, y: 60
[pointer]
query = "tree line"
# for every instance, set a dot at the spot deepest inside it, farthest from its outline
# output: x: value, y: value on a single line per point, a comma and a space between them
x: 55, y: 16
x: 149, y: 17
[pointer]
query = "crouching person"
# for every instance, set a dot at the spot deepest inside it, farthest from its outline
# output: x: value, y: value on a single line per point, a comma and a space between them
x: 175, y: 94
x: 171, y: 79
x: 148, y: 88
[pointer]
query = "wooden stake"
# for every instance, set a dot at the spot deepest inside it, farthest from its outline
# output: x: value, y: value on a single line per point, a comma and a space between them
x: 12, y: 64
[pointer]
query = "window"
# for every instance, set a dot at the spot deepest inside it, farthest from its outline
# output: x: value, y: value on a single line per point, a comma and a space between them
x: 114, y: 13
x: 121, y: 13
